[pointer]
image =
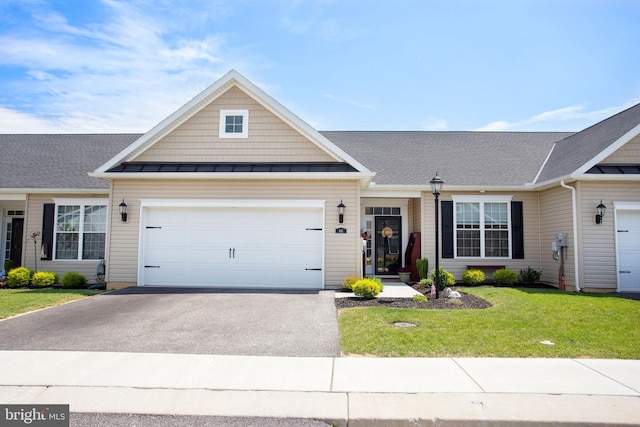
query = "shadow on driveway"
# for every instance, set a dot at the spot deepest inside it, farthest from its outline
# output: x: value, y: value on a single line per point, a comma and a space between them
x: 191, y: 321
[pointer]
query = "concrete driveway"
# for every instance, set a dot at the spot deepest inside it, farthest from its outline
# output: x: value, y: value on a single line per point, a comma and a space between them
x: 192, y: 321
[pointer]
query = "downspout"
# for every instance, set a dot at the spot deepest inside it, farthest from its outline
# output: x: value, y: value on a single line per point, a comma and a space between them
x: 574, y: 215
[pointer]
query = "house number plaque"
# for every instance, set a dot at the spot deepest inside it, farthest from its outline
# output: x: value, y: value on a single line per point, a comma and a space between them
x: 341, y: 230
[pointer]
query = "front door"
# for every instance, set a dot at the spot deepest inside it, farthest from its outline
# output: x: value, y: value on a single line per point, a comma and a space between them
x: 388, y: 240
x: 15, y: 252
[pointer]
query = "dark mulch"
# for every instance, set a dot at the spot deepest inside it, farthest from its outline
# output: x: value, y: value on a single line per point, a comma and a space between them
x: 466, y: 302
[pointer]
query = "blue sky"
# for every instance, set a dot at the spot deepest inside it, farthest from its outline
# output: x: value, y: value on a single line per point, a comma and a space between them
x: 123, y: 66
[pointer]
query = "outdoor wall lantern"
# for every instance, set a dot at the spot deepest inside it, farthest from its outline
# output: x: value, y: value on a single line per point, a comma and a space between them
x: 601, y: 209
x: 436, y: 188
x: 341, y: 207
x: 123, y: 211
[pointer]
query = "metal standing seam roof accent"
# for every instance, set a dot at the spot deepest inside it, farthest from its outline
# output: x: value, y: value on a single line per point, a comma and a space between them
x: 606, y: 169
x: 230, y: 167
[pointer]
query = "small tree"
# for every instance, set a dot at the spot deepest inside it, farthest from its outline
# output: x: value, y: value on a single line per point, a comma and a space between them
x: 423, y: 268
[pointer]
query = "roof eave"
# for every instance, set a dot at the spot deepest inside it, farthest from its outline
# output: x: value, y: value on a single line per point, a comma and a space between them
x: 235, y: 175
x: 54, y: 191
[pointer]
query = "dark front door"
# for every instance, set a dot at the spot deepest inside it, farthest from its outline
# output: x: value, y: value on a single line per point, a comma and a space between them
x: 15, y: 253
x: 388, y: 244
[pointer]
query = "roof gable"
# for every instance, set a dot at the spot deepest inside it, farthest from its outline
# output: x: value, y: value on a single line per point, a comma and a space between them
x: 269, y: 137
x: 199, y: 104
x: 578, y: 153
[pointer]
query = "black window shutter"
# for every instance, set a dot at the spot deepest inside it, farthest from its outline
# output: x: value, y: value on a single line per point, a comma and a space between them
x: 517, y: 231
x: 48, y: 216
x: 447, y: 228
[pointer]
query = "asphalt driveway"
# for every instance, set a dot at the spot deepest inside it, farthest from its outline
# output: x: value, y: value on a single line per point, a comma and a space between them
x: 192, y: 321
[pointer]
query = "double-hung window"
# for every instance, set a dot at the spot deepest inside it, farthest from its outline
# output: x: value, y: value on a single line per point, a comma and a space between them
x: 482, y: 226
x: 234, y: 124
x: 80, y: 229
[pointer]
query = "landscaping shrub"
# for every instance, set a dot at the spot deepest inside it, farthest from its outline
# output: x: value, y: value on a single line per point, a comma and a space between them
x: 366, y: 288
x: 425, y: 282
x: 423, y: 268
x: 473, y: 277
x: 348, y: 281
x: 529, y: 276
x: 8, y: 265
x: 505, y: 277
x: 420, y: 298
x: 42, y: 279
x: 73, y: 280
x: 19, y: 277
x: 377, y: 280
x: 446, y: 278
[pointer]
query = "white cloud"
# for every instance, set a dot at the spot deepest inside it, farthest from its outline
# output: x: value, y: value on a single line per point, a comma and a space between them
x: 434, y: 123
x: 123, y: 74
x: 350, y: 101
x: 574, y: 118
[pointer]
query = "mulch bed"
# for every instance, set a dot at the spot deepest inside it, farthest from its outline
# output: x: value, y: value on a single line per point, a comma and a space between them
x: 466, y: 302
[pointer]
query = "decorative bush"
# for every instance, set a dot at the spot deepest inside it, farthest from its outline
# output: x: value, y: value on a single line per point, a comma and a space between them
x: 423, y: 268
x: 529, y: 276
x: 425, y: 282
x: 19, y: 277
x: 8, y: 265
x: 366, y: 288
x: 73, y: 280
x: 446, y: 278
x: 505, y: 277
x: 420, y: 298
x: 473, y: 277
x: 348, y: 281
x: 43, y: 279
x: 377, y: 280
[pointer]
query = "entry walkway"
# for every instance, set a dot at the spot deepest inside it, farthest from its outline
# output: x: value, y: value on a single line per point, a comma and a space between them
x: 447, y: 391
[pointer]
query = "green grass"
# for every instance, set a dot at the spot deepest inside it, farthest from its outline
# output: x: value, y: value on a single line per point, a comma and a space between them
x: 579, y: 325
x: 16, y: 301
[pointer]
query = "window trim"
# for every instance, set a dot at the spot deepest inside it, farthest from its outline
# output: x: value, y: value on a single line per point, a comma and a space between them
x: 481, y: 200
x: 83, y: 203
x: 234, y: 135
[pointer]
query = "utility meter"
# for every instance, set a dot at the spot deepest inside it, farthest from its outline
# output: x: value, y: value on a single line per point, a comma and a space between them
x: 561, y: 240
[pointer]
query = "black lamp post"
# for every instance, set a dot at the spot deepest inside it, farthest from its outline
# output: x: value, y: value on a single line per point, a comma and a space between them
x: 436, y: 188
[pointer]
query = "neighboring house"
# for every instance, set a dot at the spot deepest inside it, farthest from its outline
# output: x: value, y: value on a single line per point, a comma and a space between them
x: 234, y: 190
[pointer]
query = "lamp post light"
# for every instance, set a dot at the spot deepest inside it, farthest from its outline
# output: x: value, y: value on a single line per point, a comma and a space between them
x: 436, y: 188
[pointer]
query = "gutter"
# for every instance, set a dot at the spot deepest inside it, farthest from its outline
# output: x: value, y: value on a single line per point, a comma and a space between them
x: 574, y: 214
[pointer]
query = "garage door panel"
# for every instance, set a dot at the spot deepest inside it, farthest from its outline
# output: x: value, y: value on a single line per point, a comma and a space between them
x: 227, y: 247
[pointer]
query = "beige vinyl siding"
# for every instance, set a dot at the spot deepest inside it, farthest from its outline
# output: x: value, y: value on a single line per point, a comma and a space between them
x: 342, y: 251
x: 458, y: 265
x: 628, y: 153
x: 33, y: 222
x: 270, y: 138
x: 415, y: 209
x: 598, y: 241
x: 556, y: 217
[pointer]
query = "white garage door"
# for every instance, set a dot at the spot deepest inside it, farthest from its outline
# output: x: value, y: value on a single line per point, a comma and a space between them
x: 628, y: 237
x: 262, y: 247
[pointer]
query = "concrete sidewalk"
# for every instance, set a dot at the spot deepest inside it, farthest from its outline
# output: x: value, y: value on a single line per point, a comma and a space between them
x: 357, y: 391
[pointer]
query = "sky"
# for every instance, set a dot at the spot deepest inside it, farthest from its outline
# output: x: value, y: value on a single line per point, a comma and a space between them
x: 109, y: 66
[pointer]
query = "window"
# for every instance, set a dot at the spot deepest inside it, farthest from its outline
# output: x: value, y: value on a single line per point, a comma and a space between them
x: 482, y: 228
x: 234, y: 123
x: 80, y: 230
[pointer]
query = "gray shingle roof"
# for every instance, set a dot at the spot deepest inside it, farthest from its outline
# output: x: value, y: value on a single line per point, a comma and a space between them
x: 574, y: 151
x: 461, y: 158
x: 57, y: 161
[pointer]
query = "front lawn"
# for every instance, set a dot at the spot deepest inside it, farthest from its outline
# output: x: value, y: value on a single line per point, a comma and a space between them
x: 16, y: 301
x: 585, y: 325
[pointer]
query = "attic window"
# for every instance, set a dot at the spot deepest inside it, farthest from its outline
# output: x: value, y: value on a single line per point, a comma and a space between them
x: 234, y: 123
